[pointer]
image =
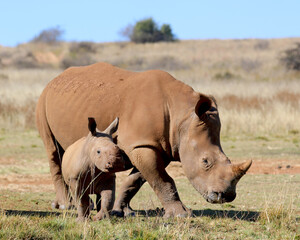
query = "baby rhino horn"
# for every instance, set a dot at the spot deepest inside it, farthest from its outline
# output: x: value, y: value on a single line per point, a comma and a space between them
x: 241, y: 168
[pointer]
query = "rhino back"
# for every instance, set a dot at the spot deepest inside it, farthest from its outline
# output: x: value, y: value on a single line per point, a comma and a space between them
x: 142, y: 101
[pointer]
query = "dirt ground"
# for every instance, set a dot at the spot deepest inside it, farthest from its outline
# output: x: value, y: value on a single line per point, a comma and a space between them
x: 43, y: 183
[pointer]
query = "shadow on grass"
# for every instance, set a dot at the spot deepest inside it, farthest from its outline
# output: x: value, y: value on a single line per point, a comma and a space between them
x: 29, y: 213
x: 235, y: 215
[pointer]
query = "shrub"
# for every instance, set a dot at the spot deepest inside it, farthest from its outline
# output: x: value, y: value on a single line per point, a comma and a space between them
x: 262, y: 45
x: 249, y: 65
x: 291, y: 58
x: 224, y: 76
x: 166, y: 31
x: 147, y: 30
x: 81, y: 54
x: 83, y: 47
x: 77, y: 60
x: 26, y: 61
x: 167, y: 63
x: 50, y: 35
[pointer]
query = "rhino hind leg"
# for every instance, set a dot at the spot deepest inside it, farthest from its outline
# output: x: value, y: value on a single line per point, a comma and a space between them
x: 55, y: 153
x: 62, y: 200
x: 129, y: 188
x: 152, y: 167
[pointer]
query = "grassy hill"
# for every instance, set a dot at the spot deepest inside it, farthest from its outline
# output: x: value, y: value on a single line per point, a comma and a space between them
x: 249, y: 59
x: 256, y: 93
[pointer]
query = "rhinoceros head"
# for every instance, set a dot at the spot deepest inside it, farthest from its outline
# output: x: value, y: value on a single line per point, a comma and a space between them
x: 203, y: 160
x: 102, y: 151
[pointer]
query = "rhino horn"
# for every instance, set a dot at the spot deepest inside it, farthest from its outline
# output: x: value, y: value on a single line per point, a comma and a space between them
x: 241, y: 168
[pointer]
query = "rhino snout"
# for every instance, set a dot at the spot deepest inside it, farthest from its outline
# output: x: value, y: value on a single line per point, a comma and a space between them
x: 115, y: 163
x: 220, y: 197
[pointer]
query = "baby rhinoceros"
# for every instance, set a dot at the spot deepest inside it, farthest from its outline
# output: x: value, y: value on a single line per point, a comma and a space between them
x: 89, y: 166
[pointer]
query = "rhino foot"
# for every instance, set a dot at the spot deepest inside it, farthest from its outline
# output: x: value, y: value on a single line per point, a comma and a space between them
x: 125, y: 212
x: 171, y: 215
x: 56, y: 205
x: 117, y: 213
x: 128, y: 212
x: 180, y: 212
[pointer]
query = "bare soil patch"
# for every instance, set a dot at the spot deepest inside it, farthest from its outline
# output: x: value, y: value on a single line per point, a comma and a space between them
x: 24, y: 183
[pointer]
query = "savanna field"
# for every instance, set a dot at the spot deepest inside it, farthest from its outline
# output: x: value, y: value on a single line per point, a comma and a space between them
x: 259, y: 105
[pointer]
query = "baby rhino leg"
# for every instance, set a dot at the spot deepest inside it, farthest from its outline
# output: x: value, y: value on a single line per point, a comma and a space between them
x: 107, y: 189
x: 82, y: 200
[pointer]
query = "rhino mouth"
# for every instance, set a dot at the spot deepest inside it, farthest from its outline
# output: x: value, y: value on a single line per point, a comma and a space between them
x: 117, y: 164
x: 219, y: 197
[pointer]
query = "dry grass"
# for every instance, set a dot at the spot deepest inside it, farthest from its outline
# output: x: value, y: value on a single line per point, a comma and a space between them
x: 19, y: 92
x: 255, y: 93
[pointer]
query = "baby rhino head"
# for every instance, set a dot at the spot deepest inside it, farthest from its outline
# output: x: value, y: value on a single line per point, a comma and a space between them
x: 102, y: 151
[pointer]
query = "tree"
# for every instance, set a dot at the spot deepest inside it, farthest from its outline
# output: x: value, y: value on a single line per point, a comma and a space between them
x: 50, y: 35
x: 147, y: 30
x: 291, y: 58
x: 166, y: 31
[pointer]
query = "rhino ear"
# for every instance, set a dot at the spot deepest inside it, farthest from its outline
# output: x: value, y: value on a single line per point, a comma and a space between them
x: 112, y: 128
x: 203, y: 105
x: 92, y: 125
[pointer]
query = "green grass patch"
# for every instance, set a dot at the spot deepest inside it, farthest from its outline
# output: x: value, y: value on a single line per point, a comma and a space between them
x: 261, y: 147
x: 271, y: 198
x: 21, y: 144
x: 266, y: 206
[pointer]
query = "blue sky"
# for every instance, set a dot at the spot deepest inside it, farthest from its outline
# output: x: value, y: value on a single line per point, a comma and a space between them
x: 101, y: 21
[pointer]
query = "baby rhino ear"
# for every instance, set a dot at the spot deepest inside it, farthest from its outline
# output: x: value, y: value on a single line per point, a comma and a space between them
x: 112, y: 128
x: 92, y: 125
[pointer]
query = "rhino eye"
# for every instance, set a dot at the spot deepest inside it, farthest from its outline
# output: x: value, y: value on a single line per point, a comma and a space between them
x: 205, y: 161
x: 98, y: 152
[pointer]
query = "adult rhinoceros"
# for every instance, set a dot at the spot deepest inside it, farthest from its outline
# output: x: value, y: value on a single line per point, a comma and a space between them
x: 161, y: 120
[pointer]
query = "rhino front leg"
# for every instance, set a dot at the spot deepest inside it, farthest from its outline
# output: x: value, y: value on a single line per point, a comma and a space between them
x: 152, y: 167
x: 129, y: 188
x: 83, y: 207
x: 108, y: 189
x: 81, y: 198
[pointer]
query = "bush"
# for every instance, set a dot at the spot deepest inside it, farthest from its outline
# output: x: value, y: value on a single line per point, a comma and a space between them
x: 262, y: 45
x: 224, y: 76
x: 148, y: 31
x: 83, y: 47
x: 291, y: 58
x: 249, y: 65
x: 167, y: 33
x: 50, y: 35
x: 77, y: 60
